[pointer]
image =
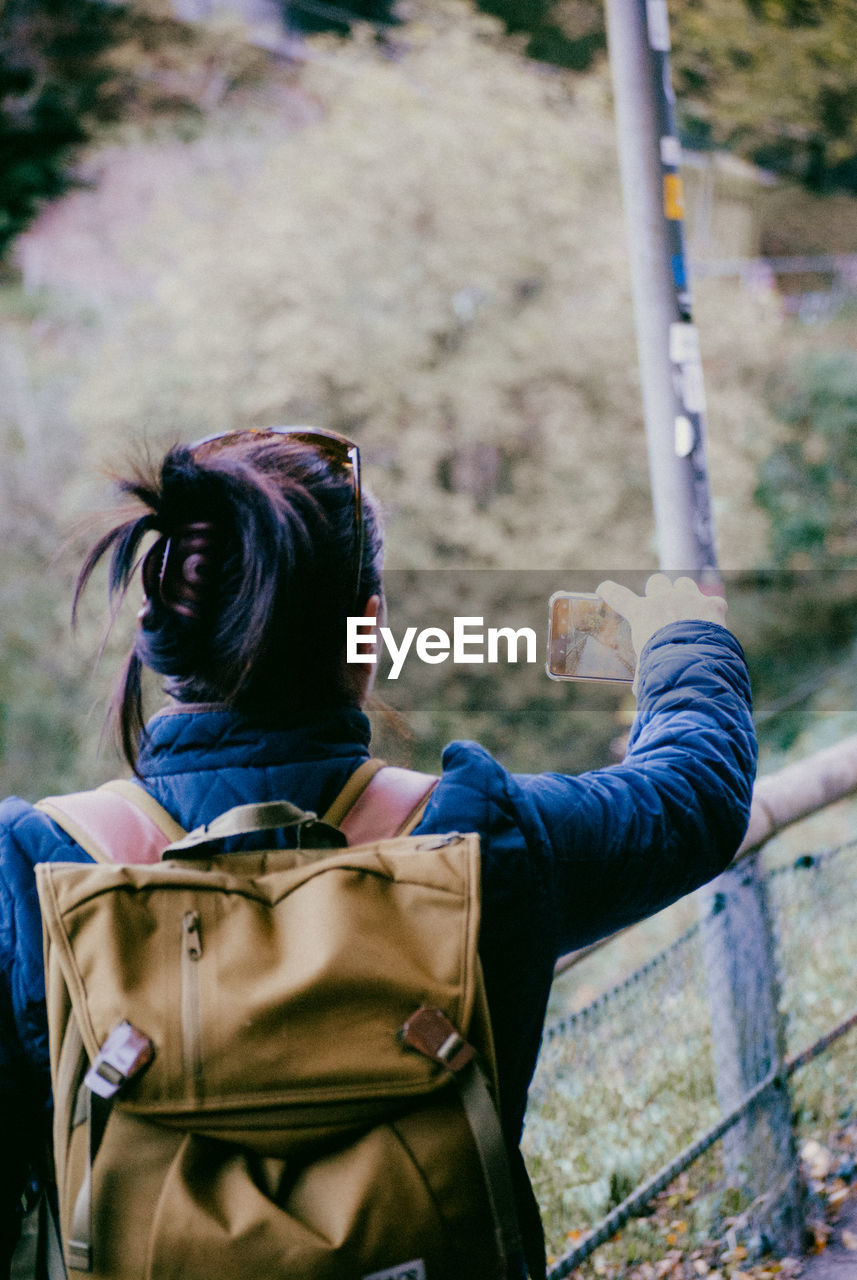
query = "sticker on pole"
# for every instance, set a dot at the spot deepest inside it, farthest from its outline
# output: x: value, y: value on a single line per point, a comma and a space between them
x: 670, y: 151
x: 685, y: 436
x: 678, y: 270
x: 684, y: 342
x: 673, y: 197
x: 658, y: 22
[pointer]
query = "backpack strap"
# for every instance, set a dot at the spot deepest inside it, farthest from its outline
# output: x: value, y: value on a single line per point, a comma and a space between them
x: 117, y: 822
x: 430, y: 1033
x: 379, y: 801
x: 121, y: 822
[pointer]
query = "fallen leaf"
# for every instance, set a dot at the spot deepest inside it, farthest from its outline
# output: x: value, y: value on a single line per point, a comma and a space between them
x: 816, y: 1158
x: 820, y: 1233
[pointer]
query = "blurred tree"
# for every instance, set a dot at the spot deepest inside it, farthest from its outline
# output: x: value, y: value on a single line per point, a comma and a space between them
x: 43, y: 692
x: 567, y: 33
x: 807, y: 483
x: 68, y: 68
x: 53, y: 84
x: 432, y: 265
x: 435, y: 266
x: 339, y: 16
x: 774, y: 80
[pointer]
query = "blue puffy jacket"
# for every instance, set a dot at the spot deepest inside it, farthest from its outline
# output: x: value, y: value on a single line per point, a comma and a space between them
x: 566, y: 860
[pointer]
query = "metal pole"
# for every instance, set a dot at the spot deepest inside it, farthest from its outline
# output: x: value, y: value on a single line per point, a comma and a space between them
x: 667, y: 340
x: 743, y: 989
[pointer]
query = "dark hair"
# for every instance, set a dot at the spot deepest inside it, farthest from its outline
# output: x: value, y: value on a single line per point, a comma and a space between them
x: 249, y: 581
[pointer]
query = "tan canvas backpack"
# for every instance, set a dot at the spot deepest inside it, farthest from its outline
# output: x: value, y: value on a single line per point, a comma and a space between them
x: 271, y: 1064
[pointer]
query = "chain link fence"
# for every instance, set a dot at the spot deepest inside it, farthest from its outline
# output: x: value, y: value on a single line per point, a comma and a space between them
x: 626, y: 1096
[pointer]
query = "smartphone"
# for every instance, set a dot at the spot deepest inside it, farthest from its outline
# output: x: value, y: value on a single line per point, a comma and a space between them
x: 587, y: 640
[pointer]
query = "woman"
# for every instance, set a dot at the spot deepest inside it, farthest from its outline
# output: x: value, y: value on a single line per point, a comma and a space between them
x: 264, y: 544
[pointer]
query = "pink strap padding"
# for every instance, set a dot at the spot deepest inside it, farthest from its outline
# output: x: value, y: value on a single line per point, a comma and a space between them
x: 389, y: 800
x: 115, y: 825
x: 125, y: 834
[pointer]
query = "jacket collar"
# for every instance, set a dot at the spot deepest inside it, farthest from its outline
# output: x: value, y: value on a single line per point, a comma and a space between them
x: 209, y: 736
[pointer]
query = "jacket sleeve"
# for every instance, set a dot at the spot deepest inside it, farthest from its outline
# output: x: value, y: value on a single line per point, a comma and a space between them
x: 26, y: 837
x: 14, y: 1090
x: 623, y: 842
x: 14, y: 1164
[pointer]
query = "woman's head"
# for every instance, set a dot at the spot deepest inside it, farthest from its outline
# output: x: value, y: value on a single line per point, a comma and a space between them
x: 264, y: 544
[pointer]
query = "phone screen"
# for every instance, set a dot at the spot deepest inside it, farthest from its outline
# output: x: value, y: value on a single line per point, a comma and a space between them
x: 587, y: 640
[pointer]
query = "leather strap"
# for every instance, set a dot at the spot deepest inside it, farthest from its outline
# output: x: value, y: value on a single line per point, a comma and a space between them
x: 51, y: 1262
x: 431, y: 1033
x: 121, y: 822
x: 272, y: 815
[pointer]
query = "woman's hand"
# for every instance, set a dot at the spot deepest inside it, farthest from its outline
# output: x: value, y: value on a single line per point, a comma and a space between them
x: 663, y: 602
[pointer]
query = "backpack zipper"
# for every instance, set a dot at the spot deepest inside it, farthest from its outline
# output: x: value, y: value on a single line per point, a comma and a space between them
x: 441, y: 842
x: 191, y: 1010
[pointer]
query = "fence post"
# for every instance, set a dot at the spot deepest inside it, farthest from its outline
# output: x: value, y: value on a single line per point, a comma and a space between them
x: 748, y: 1042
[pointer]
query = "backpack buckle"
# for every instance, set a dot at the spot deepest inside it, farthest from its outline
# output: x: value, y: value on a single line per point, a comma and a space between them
x: 125, y: 1053
x: 431, y: 1033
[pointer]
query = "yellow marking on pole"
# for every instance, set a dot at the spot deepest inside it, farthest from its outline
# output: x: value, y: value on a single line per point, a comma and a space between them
x: 673, y: 196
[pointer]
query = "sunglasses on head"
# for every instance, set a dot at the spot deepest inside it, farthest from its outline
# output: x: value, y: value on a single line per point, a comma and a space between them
x: 330, y: 444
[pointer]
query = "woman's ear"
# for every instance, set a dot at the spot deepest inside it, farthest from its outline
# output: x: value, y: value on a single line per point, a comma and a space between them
x: 376, y: 607
x: 360, y: 675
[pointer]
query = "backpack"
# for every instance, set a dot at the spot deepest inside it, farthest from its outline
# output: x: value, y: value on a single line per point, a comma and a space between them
x: 275, y: 1063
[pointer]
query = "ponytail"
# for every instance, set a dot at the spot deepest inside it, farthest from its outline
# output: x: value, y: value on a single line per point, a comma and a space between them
x: 246, y: 585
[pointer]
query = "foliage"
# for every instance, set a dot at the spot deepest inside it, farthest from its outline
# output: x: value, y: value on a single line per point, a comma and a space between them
x: 777, y: 83
x: 773, y: 80
x: 69, y: 69
x: 567, y: 33
x: 52, y: 80
x: 43, y: 713
x: 447, y: 285
x: 807, y: 483
x: 161, y: 67
x: 318, y: 15
x: 442, y: 271
x: 444, y: 292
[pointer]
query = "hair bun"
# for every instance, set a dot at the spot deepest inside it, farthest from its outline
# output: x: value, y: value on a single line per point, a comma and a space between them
x: 178, y: 569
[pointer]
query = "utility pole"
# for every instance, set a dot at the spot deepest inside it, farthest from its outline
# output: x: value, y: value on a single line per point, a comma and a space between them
x: 667, y: 340
x: 747, y: 1035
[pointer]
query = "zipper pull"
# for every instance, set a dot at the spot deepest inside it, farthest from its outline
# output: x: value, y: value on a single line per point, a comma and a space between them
x: 191, y: 935
x: 442, y: 842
